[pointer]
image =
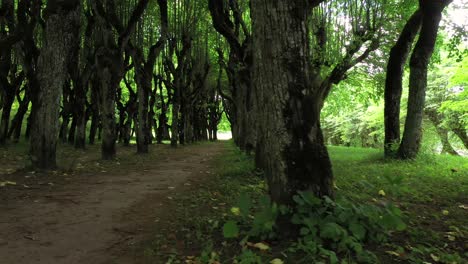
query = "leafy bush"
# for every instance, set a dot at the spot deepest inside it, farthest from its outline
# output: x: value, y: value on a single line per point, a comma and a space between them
x: 328, y: 230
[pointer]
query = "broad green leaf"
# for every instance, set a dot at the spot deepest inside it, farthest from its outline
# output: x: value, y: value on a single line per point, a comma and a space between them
x: 230, y: 229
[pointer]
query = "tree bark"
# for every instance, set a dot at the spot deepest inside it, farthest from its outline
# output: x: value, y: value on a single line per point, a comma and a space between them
x: 432, y: 14
x: 291, y: 147
x: 62, y: 17
x: 7, y: 70
x: 17, y: 122
x: 175, y: 118
x: 95, y: 117
x: 143, y: 84
x: 107, y: 95
x: 394, y: 82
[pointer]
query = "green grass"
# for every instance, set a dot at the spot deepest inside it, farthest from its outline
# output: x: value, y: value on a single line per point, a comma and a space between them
x: 431, y: 191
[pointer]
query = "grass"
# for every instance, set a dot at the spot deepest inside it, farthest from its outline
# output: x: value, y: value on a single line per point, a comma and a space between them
x: 431, y: 191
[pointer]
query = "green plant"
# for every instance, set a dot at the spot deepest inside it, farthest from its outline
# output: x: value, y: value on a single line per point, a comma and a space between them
x: 328, y: 229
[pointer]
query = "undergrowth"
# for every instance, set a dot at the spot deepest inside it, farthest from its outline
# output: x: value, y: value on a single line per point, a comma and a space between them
x: 385, y: 212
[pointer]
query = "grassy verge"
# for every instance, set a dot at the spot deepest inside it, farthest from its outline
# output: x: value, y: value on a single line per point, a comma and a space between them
x: 431, y: 192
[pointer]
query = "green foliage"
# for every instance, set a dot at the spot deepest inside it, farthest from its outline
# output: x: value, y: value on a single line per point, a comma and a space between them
x: 330, y: 228
x: 327, y: 229
x: 230, y: 229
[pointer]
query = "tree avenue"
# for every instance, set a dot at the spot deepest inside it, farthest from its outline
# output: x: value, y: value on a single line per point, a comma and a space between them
x: 280, y: 74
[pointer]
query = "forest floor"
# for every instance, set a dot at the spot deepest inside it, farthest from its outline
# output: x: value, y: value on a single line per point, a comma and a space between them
x: 170, y: 206
x: 91, y: 211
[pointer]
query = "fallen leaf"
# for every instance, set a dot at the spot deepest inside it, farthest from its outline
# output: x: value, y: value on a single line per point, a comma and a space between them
x: 276, y: 261
x: 235, y: 210
x: 434, y: 257
x: 5, y: 183
x: 261, y: 246
x: 393, y: 253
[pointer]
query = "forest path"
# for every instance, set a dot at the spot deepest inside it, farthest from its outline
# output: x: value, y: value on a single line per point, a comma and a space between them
x: 97, y: 217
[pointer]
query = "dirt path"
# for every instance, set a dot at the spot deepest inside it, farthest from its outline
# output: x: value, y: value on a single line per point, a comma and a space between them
x: 90, y: 219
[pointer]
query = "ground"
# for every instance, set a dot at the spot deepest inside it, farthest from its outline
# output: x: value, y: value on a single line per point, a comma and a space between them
x: 91, y: 211
x: 170, y: 206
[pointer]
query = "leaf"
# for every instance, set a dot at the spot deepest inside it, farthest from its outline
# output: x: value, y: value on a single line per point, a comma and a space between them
x: 331, y: 231
x: 391, y: 221
x: 230, y: 229
x: 382, y: 193
x: 235, y: 211
x: 310, y: 198
x: 357, y: 230
x: 244, y: 203
x: 435, y: 258
x: 261, y: 246
x: 393, y: 253
x: 276, y: 261
x: 5, y: 183
x: 304, y: 231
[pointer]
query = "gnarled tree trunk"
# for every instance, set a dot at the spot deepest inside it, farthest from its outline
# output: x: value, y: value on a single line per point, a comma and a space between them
x: 292, y: 151
x: 61, y: 20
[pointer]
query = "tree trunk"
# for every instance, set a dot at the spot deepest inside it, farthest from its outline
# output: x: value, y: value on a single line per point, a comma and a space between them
x: 61, y: 20
x: 17, y: 122
x: 5, y: 121
x: 64, y: 128
x: 411, y: 141
x: 291, y: 147
x: 143, y: 85
x: 94, y: 110
x: 80, y: 134
x: 108, y: 136
x: 462, y: 135
x: 394, y: 82
x: 72, y: 131
x: 175, y: 120
x: 436, y: 120
x: 163, y: 131
x: 215, y: 133
x: 152, y: 125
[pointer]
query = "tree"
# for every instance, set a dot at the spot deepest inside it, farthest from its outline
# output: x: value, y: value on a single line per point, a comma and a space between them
x: 61, y: 20
x: 394, y: 81
x: 112, y: 64
x: 294, y: 155
x: 144, y: 76
x: 238, y: 67
x: 431, y: 16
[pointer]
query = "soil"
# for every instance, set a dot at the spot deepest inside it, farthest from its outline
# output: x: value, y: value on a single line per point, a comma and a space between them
x: 90, y: 211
